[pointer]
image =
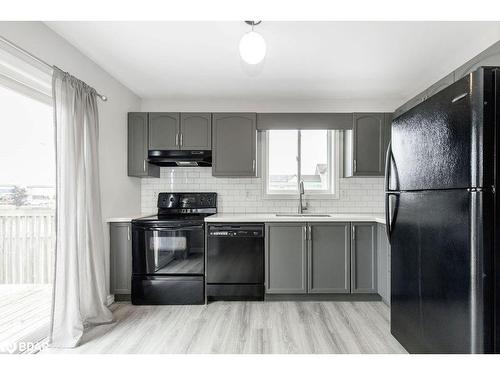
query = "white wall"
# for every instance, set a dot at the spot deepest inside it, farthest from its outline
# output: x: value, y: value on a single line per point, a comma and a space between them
x: 120, y: 194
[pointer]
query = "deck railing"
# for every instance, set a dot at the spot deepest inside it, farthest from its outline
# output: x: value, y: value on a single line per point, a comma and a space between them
x: 27, y: 242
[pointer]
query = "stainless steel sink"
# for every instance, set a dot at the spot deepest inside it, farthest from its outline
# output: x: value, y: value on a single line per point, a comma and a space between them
x: 302, y: 215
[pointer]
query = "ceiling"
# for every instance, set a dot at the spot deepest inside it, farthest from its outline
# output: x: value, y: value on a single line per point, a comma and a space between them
x: 353, y: 61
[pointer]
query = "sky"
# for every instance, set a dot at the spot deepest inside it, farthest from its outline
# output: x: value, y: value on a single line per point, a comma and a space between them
x: 27, y: 155
x: 283, y: 151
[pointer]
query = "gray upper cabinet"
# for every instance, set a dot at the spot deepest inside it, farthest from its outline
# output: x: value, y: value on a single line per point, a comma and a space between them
x: 489, y: 57
x: 365, y: 145
x: 196, y: 131
x: 234, y: 145
x: 185, y: 131
x: 383, y: 262
x: 164, y: 131
x: 120, y: 258
x: 364, y: 258
x: 368, y: 144
x: 329, y: 258
x: 286, y: 260
x: 138, y: 147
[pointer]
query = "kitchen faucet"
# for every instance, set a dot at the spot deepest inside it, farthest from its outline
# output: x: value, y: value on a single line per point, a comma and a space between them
x: 302, y: 206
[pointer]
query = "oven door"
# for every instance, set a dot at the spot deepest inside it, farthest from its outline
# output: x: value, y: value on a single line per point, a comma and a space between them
x: 168, y: 250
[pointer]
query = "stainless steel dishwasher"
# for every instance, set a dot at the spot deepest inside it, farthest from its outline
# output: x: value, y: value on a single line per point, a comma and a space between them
x: 235, y: 262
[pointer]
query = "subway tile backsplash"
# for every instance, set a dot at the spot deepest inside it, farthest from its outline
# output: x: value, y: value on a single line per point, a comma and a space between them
x: 245, y: 195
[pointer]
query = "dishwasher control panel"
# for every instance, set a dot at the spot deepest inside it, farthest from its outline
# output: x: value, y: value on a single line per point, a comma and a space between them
x: 236, y: 231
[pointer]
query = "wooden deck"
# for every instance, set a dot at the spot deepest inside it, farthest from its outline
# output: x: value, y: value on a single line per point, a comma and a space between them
x: 24, y: 315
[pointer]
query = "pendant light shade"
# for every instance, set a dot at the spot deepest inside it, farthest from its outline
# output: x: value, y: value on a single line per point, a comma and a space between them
x: 252, y: 46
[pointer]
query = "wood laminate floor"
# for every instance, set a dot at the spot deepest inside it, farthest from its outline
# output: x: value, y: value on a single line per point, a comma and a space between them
x: 24, y: 314
x: 244, y: 327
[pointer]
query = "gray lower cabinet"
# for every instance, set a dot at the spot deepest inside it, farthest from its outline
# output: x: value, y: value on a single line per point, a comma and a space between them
x: 329, y: 258
x: 286, y: 258
x: 234, y: 145
x: 364, y: 258
x: 195, y: 131
x: 383, y: 264
x: 120, y: 257
x: 365, y: 145
x: 138, y: 139
x: 164, y: 131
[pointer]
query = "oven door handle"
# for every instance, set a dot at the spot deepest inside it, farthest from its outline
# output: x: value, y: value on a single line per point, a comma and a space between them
x: 171, y: 229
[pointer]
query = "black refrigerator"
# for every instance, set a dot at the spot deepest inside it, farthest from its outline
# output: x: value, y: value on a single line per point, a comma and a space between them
x: 442, y: 223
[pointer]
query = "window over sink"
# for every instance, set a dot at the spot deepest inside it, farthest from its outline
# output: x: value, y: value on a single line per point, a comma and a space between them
x: 294, y: 155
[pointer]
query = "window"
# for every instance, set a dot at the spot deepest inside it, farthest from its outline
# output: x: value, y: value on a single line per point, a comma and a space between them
x: 295, y: 155
x: 27, y: 202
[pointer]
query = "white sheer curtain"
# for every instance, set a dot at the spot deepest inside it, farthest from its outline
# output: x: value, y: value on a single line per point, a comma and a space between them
x: 79, y: 286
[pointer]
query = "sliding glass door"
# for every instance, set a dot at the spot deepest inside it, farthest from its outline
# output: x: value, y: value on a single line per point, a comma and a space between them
x: 27, y: 207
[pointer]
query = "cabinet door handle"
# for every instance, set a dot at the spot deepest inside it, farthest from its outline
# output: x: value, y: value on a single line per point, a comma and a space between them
x: 353, y: 232
x: 181, y: 141
x: 253, y: 165
x: 144, y: 165
x: 310, y: 232
x: 355, y: 165
x: 128, y: 233
x: 304, y: 230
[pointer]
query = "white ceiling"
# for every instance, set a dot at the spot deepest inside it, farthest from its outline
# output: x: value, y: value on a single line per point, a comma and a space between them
x: 353, y: 61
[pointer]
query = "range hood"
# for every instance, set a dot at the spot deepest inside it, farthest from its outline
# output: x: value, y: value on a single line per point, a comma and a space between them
x: 180, y: 158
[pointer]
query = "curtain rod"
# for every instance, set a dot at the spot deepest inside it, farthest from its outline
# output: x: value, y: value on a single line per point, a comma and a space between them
x: 104, y: 98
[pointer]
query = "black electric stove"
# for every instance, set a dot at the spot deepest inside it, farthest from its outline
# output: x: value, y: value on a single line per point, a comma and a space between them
x: 168, y: 250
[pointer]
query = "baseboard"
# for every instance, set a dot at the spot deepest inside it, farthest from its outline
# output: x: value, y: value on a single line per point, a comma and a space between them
x: 323, y: 297
x: 287, y: 297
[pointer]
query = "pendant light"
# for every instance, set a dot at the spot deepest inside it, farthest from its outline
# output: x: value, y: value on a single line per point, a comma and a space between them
x: 252, y: 45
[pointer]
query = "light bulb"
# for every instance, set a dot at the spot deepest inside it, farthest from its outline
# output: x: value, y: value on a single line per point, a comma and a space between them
x: 252, y: 48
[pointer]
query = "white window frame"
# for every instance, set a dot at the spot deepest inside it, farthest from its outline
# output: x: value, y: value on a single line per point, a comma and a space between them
x: 333, y: 171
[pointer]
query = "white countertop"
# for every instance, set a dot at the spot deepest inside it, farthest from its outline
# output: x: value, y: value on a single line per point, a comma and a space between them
x: 267, y: 218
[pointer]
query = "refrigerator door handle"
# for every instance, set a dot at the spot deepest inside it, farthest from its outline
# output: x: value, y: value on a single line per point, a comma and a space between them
x: 388, y: 192
x: 388, y: 220
x: 388, y: 157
